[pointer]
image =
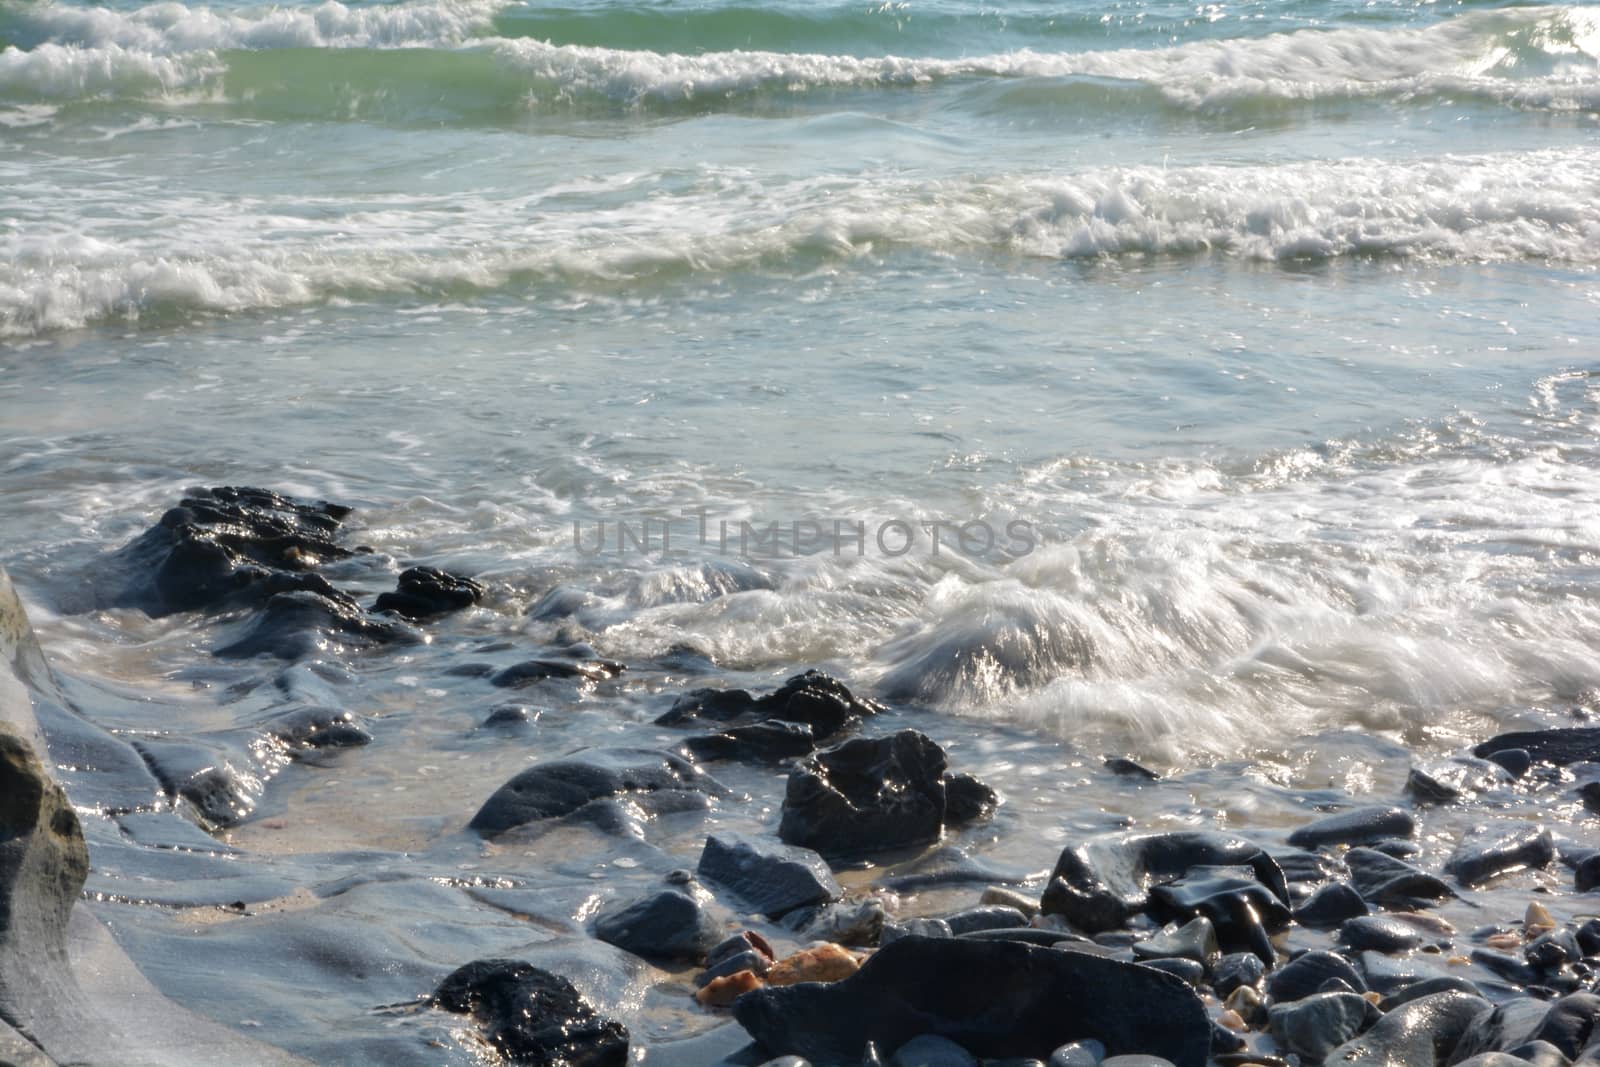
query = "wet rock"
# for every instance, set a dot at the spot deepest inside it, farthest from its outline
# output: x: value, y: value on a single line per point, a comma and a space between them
x: 1509, y: 1025
x: 1570, y: 1024
x: 1422, y: 1033
x: 930, y: 1050
x: 1300, y: 865
x: 1560, y: 747
x: 1389, y: 974
x: 223, y: 790
x: 994, y: 998
x: 1099, y: 884
x: 967, y: 800
x: 1358, y: 826
x: 1541, y: 1054
x: 1196, y: 940
x: 1190, y: 971
x: 1455, y: 778
x: 424, y: 593
x: 668, y: 925
x: 1586, y: 875
x: 317, y: 727
x: 532, y: 1016
x: 538, y: 670
x: 1314, y: 1026
x: 1392, y: 883
x: 769, y: 741
x: 718, y: 705
x: 1551, y: 951
x: 1380, y: 933
x: 305, y: 623
x: 985, y: 917
x: 551, y: 790
x: 1516, y: 761
x: 749, y: 960
x: 819, y: 963
x: 510, y: 716
x: 1492, y: 851
x: 1445, y: 983
x: 1305, y: 974
x: 1009, y: 898
x: 1126, y: 768
x: 922, y: 927
x: 867, y: 795
x: 1330, y: 906
x: 1078, y: 1054
x: 772, y: 879
x: 1243, y: 911
x: 225, y: 547
x: 814, y: 699
x: 1237, y: 969
x: 858, y: 922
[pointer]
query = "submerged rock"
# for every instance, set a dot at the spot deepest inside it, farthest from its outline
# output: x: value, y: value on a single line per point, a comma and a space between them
x: 532, y: 1016
x: 1358, y: 826
x: 222, y: 790
x: 768, y: 741
x: 424, y: 593
x: 305, y: 622
x: 993, y: 998
x: 1492, y: 851
x: 772, y: 879
x: 312, y: 727
x: 789, y: 721
x: 1456, y: 778
x: 1099, y: 884
x: 1390, y: 882
x: 551, y: 790
x: 867, y: 795
x: 538, y: 670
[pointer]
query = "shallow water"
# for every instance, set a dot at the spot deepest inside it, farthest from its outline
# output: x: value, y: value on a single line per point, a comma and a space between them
x: 1252, y: 342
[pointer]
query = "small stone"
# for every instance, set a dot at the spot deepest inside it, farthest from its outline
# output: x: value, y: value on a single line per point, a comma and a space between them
x: 1537, y: 918
x: 1390, y: 882
x: 1236, y: 969
x: 532, y: 1016
x: 1126, y: 768
x: 1010, y: 898
x: 921, y: 927
x: 1189, y: 970
x: 1586, y: 875
x: 424, y: 593
x: 1380, y: 934
x: 1516, y: 761
x: 1078, y: 1054
x: 930, y: 1050
x: 985, y: 917
x: 824, y: 963
x: 854, y: 923
x: 720, y: 992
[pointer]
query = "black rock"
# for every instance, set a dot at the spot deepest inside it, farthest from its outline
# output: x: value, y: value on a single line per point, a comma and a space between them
x: 772, y: 879
x: 1550, y: 951
x: 771, y: 740
x: 1129, y: 769
x: 1495, y: 851
x: 1456, y: 778
x: 918, y: 927
x: 1195, y: 940
x: 1305, y: 974
x: 1505, y: 966
x: 304, y: 622
x: 510, y: 715
x: 1516, y: 761
x: 1236, y: 969
x: 1380, y: 933
x: 1330, y: 906
x: 1358, y: 826
x: 551, y: 790
x: 538, y: 670
x: 1314, y: 1026
x: 425, y: 593
x: 966, y: 800
x: 1099, y: 884
x: 223, y: 794
x: 1570, y: 1024
x: 719, y: 705
x: 227, y: 547
x: 994, y: 998
x: 1421, y: 1033
x: 1244, y: 911
x: 1586, y: 875
x: 1191, y: 971
x: 671, y: 925
x: 985, y: 917
x: 867, y: 795
x: 310, y: 726
x: 532, y: 1016
x: 1560, y: 747
x: 815, y: 699
x: 1392, y: 883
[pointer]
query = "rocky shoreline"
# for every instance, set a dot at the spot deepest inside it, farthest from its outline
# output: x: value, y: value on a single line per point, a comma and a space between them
x: 1431, y: 925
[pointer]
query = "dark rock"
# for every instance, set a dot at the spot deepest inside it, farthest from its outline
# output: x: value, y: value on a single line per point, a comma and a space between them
x: 1570, y: 1024
x: 746, y: 941
x: 1243, y: 910
x: 1540, y: 1054
x: 1304, y: 975
x: 227, y: 547
x: 1516, y: 761
x: 930, y: 1050
x: 1078, y: 1054
x: 510, y: 715
x: 1589, y: 794
x: 550, y: 790
x: 426, y: 593
x: 1505, y: 966
x: 1189, y: 970
x: 1550, y: 951
x: 814, y: 699
x: 719, y: 705
x: 769, y: 741
x: 223, y: 794
x: 1358, y: 826
x: 1400, y: 850
x: 994, y: 998
x: 317, y: 727
x: 538, y: 670
x: 1195, y: 940
x: 986, y: 917
x: 867, y: 795
x: 1490, y: 852
x: 921, y: 927
x: 1588, y: 936
x: 1129, y: 769
x: 1100, y: 883
x: 1032, y: 935
x: 304, y: 623
x: 1510, y: 1024
x: 1237, y: 969
x: 1388, y: 974
x: 1586, y: 875
x: 772, y: 879
x: 1421, y: 1033
x: 532, y: 1016
x: 967, y: 800
x: 1330, y: 906
x: 748, y: 960
x: 1560, y: 747
x: 671, y: 925
x: 1380, y: 933
x: 1455, y: 778
x: 1314, y: 1026
x: 1392, y: 883
x: 1445, y: 983
x: 1300, y: 865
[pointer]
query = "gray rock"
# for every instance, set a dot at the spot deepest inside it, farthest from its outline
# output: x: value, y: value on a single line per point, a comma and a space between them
x: 1189, y: 970
x: 1358, y: 826
x: 1304, y: 975
x: 769, y: 878
x: 1456, y: 778
x: 1196, y: 940
x: 1493, y: 851
x: 985, y: 917
x: 1330, y: 906
x: 930, y: 1050
x: 671, y: 924
x: 893, y: 932
x: 1380, y: 933
x: 1078, y: 1054
x: 1237, y: 969
x: 551, y: 790
x: 1392, y: 883
x: 1445, y: 983
x: 1313, y: 1027
x: 1422, y: 1033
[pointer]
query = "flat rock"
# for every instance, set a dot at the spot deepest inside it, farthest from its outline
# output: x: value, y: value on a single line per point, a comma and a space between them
x: 1560, y: 747
x: 769, y: 878
x: 1358, y: 826
x: 221, y: 786
x: 533, y: 1016
x: 1492, y: 851
x: 550, y: 790
x: 423, y: 593
x: 993, y: 998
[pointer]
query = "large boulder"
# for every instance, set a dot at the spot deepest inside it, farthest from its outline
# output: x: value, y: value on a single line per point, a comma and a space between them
x: 994, y: 998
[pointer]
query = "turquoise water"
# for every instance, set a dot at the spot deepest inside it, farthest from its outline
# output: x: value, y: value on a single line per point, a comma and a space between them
x: 1271, y: 320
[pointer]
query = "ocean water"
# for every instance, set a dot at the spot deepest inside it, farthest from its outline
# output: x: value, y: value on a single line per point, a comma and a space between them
x: 1184, y: 380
